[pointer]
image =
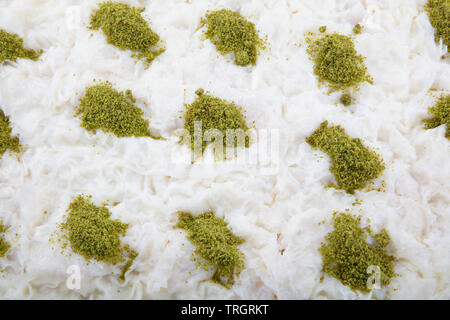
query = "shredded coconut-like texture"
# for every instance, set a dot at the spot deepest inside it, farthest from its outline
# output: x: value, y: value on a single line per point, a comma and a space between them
x: 276, y: 205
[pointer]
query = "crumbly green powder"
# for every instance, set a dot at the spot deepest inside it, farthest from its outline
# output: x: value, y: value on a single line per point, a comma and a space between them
x: 6, y: 141
x: 346, y: 99
x: 214, y: 113
x: 4, y: 245
x: 11, y: 48
x: 92, y: 234
x: 347, y: 255
x: 105, y: 108
x: 439, y: 14
x: 383, y: 238
x: 232, y: 33
x: 132, y: 255
x: 322, y: 29
x: 216, y: 246
x: 357, y: 29
x: 336, y: 61
x: 441, y: 114
x: 126, y: 29
x: 353, y: 164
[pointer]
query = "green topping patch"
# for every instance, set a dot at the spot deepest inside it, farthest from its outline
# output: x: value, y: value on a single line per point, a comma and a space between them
x: 346, y: 99
x: 215, y: 113
x: 336, y: 61
x: 441, y: 114
x: 6, y: 141
x: 105, y: 108
x: 132, y: 255
x: 4, y: 245
x: 439, y: 14
x: 383, y: 238
x: 353, y: 165
x: 11, y: 48
x: 92, y: 234
x: 357, y: 29
x: 126, y: 29
x: 232, y: 33
x: 347, y: 255
x: 216, y: 246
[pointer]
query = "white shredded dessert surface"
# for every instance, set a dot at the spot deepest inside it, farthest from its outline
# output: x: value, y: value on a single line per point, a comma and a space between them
x: 283, y: 213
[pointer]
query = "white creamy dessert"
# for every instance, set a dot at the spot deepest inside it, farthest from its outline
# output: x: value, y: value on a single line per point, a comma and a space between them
x: 278, y: 206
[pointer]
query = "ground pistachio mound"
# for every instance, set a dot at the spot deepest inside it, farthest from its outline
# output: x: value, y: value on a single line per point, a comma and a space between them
x: 109, y: 110
x: 441, y: 114
x: 216, y: 246
x: 214, y: 113
x: 4, y: 245
x: 91, y: 233
x: 439, y: 14
x: 347, y: 254
x: 6, y: 141
x: 126, y: 29
x: 336, y: 61
x: 11, y: 48
x: 353, y: 165
x: 232, y: 33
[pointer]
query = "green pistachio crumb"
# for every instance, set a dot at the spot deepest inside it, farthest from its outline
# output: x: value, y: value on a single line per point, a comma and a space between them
x: 357, y: 29
x: 4, y: 244
x: 323, y: 29
x: 129, y: 95
x: 383, y: 238
x: 439, y: 14
x: 132, y: 255
x: 232, y: 33
x: 336, y: 61
x: 347, y: 255
x: 105, y: 108
x: 214, y: 113
x: 216, y: 246
x: 92, y: 234
x: 353, y: 165
x: 441, y: 114
x: 126, y: 29
x: 6, y: 141
x: 346, y: 99
x: 11, y: 48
